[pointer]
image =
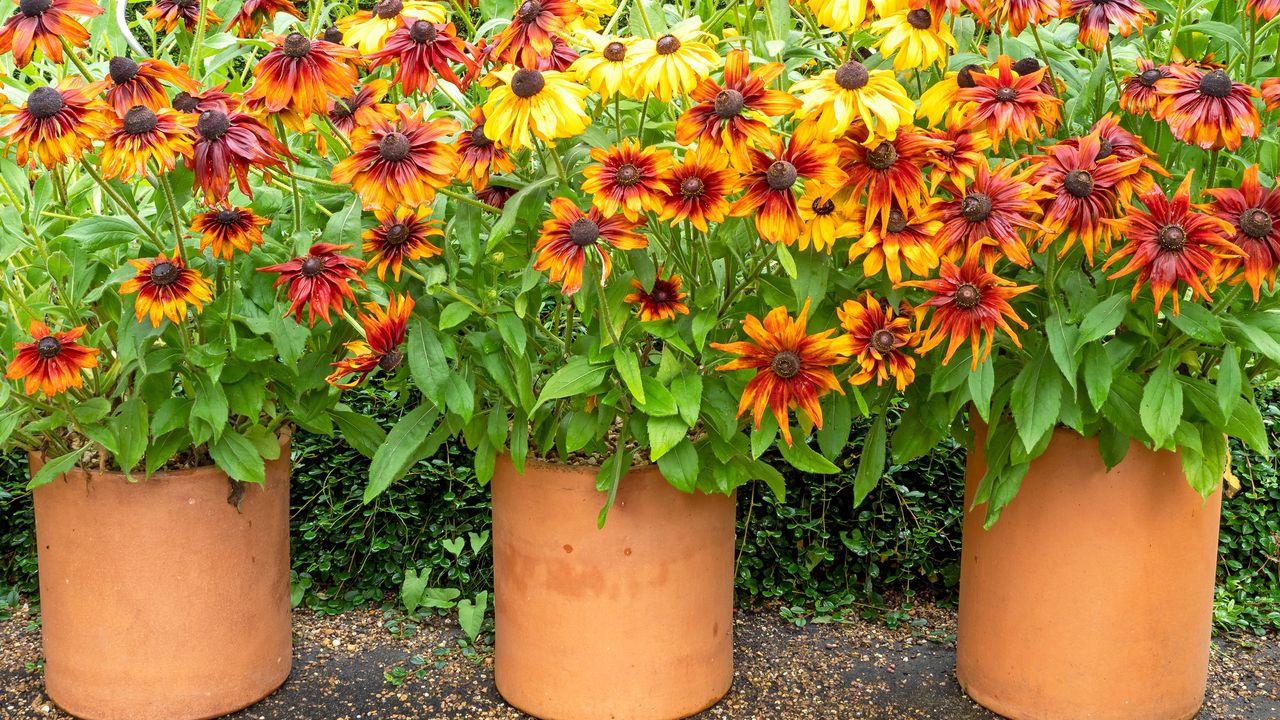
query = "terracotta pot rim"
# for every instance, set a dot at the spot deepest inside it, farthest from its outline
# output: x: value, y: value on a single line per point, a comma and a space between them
x: 285, y: 436
x: 576, y: 468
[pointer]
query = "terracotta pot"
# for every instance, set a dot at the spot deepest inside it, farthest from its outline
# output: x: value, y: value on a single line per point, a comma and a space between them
x: 630, y: 622
x: 1092, y: 596
x: 159, y: 599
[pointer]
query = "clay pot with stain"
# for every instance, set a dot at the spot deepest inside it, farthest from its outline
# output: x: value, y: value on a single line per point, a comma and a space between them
x: 630, y: 622
x: 159, y: 599
x: 1091, y: 598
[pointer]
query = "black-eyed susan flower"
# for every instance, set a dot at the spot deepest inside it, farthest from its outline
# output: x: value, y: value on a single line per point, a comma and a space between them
x: 421, y: 50
x: 299, y: 74
x: 140, y: 83
x: 1264, y: 10
x: 593, y: 12
x: 627, y: 177
x: 369, y: 30
x: 57, y: 125
x: 970, y: 303
x: 823, y: 220
x: 609, y: 67
x: 879, y: 340
x: 252, y: 14
x: 532, y: 103
x: 529, y: 36
x: 1008, y: 105
x: 361, y: 107
x: 478, y: 156
x: 673, y: 64
x: 45, y: 24
x: 835, y: 98
x: 1096, y: 17
x: 166, y: 14
x: 661, y: 302
x: 400, y: 162
x: 570, y: 234
x: 1271, y: 92
x: 841, y: 15
x: 197, y: 102
x: 1115, y: 141
x: 1208, y: 109
x: 698, y: 189
x: 562, y: 57
x: 734, y: 117
x: 775, y: 177
x: 1082, y: 194
x: 165, y: 287
x: 1018, y: 14
x: 912, y: 36
x: 998, y: 205
x: 320, y: 281
x: 400, y: 235
x: 142, y: 136
x: 52, y: 362
x: 495, y: 195
x: 229, y: 229
x: 793, y: 368
x: 1254, y: 212
x: 886, y: 173
x: 230, y: 143
x: 959, y: 160
x: 1169, y: 243
x: 384, y: 331
x: 1138, y: 94
x: 907, y: 239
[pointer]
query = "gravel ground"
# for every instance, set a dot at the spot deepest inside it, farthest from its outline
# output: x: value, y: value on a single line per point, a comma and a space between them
x: 353, y: 667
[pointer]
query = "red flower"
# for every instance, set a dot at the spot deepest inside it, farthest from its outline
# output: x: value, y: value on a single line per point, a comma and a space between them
x: 478, y: 156
x: 138, y: 83
x: 996, y: 206
x: 1095, y: 18
x: 1008, y: 105
x: 661, y: 302
x: 401, y: 161
x: 1082, y: 194
x: 51, y: 362
x: 249, y: 19
x: 1207, y: 108
x: 299, y: 75
x: 401, y: 235
x: 627, y: 177
x: 419, y: 48
x: 384, y: 334
x: 889, y: 174
x: 570, y: 234
x: 1139, y: 95
x: 772, y: 183
x: 529, y: 36
x: 1254, y: 212
x: 318, y: 280
x: 44, y: 24
x: 231, y: 142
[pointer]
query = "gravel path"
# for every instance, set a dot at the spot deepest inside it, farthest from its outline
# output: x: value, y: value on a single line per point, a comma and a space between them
x: 352, y: 667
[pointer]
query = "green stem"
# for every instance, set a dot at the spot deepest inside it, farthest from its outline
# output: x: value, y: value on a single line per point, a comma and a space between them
x: 1177, y: 28
x: 293, y: 179
x: 644, y: 18
x: 1213, y: 168
x: 606, y: 318
x: 75, y: 59
x: 466, y: 18
x: 120, y: 202
x: 555, y: 158
x: 469, y: 200
x: 196, y: 63
x: 1111, y: 65
x: 172, y: 202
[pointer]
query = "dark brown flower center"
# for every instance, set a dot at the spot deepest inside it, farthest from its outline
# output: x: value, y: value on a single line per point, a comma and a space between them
x: 391, y: 360
x: 213, y: 124
x: 615, y: 51
x: 1079, y: 183
x: 48, y: 347
x: 183, y: 102
x: 478, y: 138
x: 44, y: 102
x: 529, y: 11
x: 627, y: 175
x: 387, y: 9
x: 1148, y: 78
x: 781, y: 175
x: 692, y: 187
x: 164, y: 273
x: 968, y: 296
x: 1256, y: 223
x: 1006, y: 94
x: 228, y: 217
x: 920, y: 19
x: 34, y: 8
x: 823, y: 207
x: 897, y: 221
x: 883, y: 156
x: 964, y: 76
x: 296, y: 45
x: 1105, y: 149
x: 1026, y: 66
x: 526, y: 83
x: 852, y: 75
x: 584, y: 232
x: 140, y: 119
x: 397, y: 234
x: 729, y: 103
x: 394, y: 147
x: 1171, y: 238
x: 186, y: 4
x: 883, y: 340
x: 1215, y: 83
x: 975, y: 207
x: 312, y: 266
x: 122, y: 69
x: 333, y: 35
x: 423, y: 32
x: 343, y: 107
x: 785, y: 364
x: 660, y: 295
x: 667, y: 44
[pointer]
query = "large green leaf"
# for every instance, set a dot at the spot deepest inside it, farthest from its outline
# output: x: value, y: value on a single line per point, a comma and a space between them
x: 406, y: 444
x: 664, y: 434
x: 130, y: 428
x: 1102, y: 319
x: 871, y: 464
x: 680, y: 465
x: 1161, y: 407
x: 427, y: 362
x: 1036, y: 399
x: 802, y: 457
x: 576, y: 377
x: 238, y: 457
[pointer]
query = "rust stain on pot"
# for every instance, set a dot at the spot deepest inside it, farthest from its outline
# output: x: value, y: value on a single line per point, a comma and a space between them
x: 627, y: 552
x: 568, y: 548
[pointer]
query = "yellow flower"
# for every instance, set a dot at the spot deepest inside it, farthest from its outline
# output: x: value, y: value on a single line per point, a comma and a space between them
x: 840, y: 15
x: 835, y: 98
x: 675, y: 63
x: 937, y: 102
x: 914, y: 37
x: 824, y: 222
x: 368, y: 30
x: 531, y: 103
x: 610, y: 67
x: 592, y: 12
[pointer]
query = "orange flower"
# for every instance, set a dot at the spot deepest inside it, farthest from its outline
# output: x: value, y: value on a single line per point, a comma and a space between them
x: 421, y: 50
x: 249, y: 19
x: 529, y: 36
x: 401, y: 235
x: 960, y: 162
x: 227, y: 143
x: 1082, y: 194
x: 662, y: 302
x: 360, y: 108
x: 1095, y: 18
x: 57, y: 125
x: 1254, y: 212
x: 143, y: 135
x: 318, y: 280
x: 1008, y: 105
x: 299, y: 75
x: 968, y: 302
x: 44, y: 24
x: 138, y: 83
x: 772, y: 183
x: 1271, y: 92
x: 1021, y: 13
x: 399, y: 162
x: 627, y: 177
x: 1139, y: 95
x: 478, y: 156
x: 888, y: 174
x: 996, y: 205
x: 1168, y: 243
x: 384, y: 334
x: 51, y: 362
x: 165, y: 14
x: 698, y: 189
x: 907, y: 238
x: 1263, y: 10
x: 735, y: 117
x: 1115, y: 141
x: 229, y: 229
x: 570, y: 234
x: 1207, y: 108
x: 793, y: 368
x: 879, y: 339
x: 165, y: 287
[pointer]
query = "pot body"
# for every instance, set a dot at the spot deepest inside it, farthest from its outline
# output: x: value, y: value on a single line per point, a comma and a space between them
x: 1091, y: 598
x: 158, y: 598
x: 630, y: 622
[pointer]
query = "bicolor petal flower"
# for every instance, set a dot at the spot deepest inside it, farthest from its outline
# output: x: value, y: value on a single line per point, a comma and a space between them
x: 51, y: 363
x: 319, y: 281
x: 570, y: 235
x: 165, y: 287
x: 385, y: 331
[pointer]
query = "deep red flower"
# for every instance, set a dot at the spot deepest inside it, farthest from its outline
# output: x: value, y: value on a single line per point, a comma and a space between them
x: 232, y: 142
x: 1082, y: 194
x: 299, y: 74
x: 52, y: 362
x: 1254, y: 212
x: 1096, y: 16
x: 252, y: 14
x: 319, y: 280
x: 421, y: 50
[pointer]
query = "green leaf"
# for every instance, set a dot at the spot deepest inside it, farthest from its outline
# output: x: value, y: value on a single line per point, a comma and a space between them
x: 1247, y: 425
x: 576, y: 377
x: 982, y: 382
x: 871, y: 464
x: 471, y: 615
x: 238, y: 458
x: 360, y: 431
x: 101, y: 232
x: 1102, y: 319
x: 1113, y: 444
x: 1036, y: 400
x: 130, y: 428
x: 833, y: 436
x: 511, y: 328
x: 1006, y: 486
x: 1255, y: 337
x: 1230, y: 380
x: 804, y: 458
x: 453, y: 314
x: 405, y: 445
x: 344, y: 227
x: 1098, y: 374
x: 580, y: 429
x: 687, y: 391
x: 664, y: 434
x: 1161, y: 407
x: 629, y: 370
x: 658, y: 399
x: 91, y: 410
x: 411, y: 589
x: 1122, y: 407
x: 1063, y: 347
x: 511, y: 210
x: 54, y: 468
x: 427, y: 362
x: 1199, y: 323
x: 680, y: 465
